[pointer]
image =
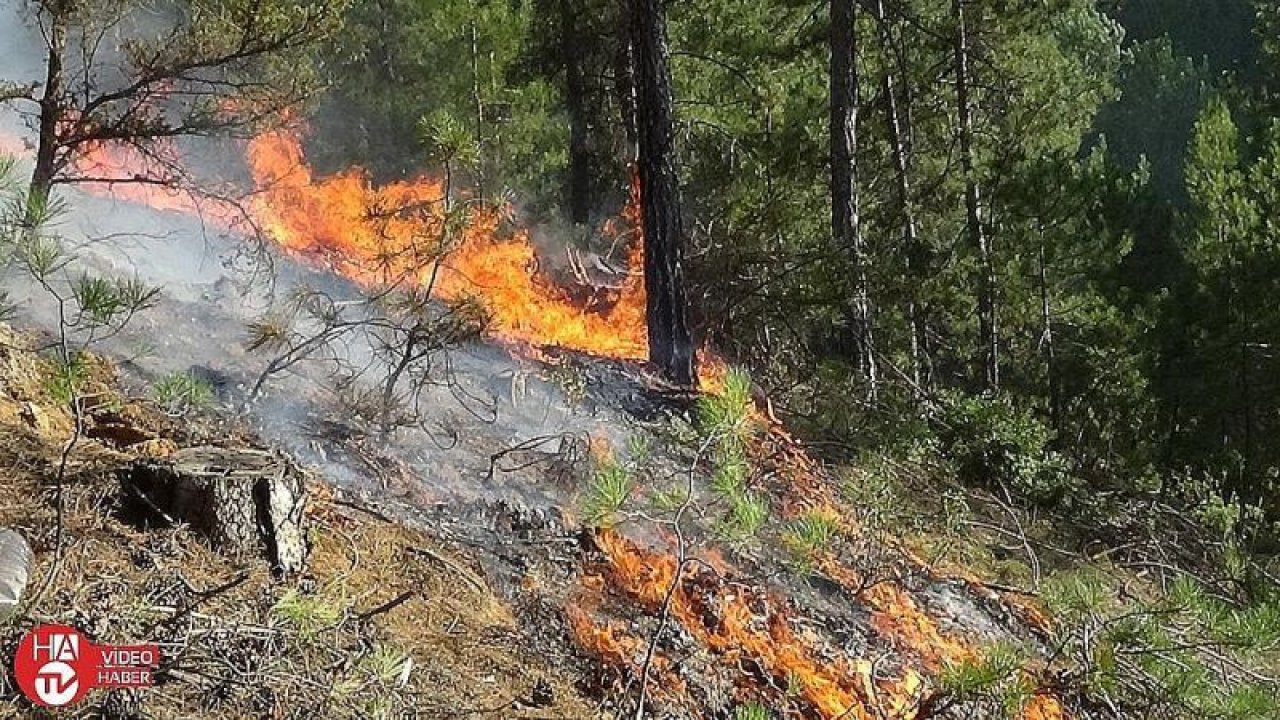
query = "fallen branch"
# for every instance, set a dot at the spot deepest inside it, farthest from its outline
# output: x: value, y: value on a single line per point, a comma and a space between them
x: 202, y: 597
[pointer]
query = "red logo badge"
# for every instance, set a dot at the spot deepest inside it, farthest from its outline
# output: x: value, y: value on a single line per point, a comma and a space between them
x: 56, y: 665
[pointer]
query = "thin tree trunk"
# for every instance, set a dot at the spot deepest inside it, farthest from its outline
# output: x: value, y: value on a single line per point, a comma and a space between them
x: 912, y: 248
x: 51, y: 110
x: 625, y: 81
x: 846, y: 225
x: 1238, y: 311
x: 974, y: 228
x: 670, y: 342
x: 580, y: 200
x: 481, y: 165
x: 1046, y: 342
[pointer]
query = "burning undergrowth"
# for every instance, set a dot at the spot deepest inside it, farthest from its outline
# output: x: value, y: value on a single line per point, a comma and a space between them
x: 417, y: 233
x: 757, y: 649
x: 847, y: 630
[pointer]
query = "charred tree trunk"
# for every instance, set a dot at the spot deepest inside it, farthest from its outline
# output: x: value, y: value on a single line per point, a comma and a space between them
x: 670, y: 342
x: 575, y: 86
x: 846, y: 225
x: 51, y: 109
x: 975, y: 230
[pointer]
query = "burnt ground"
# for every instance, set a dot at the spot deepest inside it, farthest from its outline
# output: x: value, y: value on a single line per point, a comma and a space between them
x: 387, y: 621
x: 498, y: 475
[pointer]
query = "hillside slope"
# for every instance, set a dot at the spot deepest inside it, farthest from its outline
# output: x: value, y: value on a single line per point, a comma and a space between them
x: 383, y: 623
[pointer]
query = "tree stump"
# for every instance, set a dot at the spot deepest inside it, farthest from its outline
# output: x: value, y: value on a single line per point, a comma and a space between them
x: 249, y: 502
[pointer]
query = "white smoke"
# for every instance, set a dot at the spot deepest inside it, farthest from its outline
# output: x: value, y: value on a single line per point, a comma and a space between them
x: 208, y: 297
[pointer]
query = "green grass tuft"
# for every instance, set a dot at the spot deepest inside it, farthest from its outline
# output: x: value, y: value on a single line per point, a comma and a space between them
x: 181, y: 392
x: 307, y: 614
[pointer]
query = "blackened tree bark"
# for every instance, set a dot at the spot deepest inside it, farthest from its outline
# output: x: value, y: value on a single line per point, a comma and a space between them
x: 580, y: 156
x: 975, y: 230
x: 667, y: 314
x: 846, y: 224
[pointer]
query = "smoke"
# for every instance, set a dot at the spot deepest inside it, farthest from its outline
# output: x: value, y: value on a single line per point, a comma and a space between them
x: 20, y: 63
x: 213, y: 284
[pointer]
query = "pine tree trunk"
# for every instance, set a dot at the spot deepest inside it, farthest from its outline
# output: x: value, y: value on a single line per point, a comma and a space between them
x: 846, y: 225
x: 913, y: 249
x: 48, y: 144
x: 580, y: 170
x: 670, y: 342
x: 481, y: 167
x: 975, y: 231
x: 625, y: 81
x: 1046, y: 342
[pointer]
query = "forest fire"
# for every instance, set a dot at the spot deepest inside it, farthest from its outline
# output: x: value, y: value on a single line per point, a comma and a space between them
x: 739, y: 623
x: 414, y: 235
x: 407, y: 234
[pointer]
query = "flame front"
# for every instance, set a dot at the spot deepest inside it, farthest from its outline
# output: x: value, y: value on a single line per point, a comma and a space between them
x: 396, y: 234
x: 378, y: 235
x: 724, y: 617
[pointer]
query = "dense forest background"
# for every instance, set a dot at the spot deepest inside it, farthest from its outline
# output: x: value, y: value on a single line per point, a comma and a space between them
x: 1066, y: 262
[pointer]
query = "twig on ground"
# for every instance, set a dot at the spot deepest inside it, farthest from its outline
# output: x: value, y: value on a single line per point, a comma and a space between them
x: 681, y: 561
x: 387, y: 606
x: 466, y: 574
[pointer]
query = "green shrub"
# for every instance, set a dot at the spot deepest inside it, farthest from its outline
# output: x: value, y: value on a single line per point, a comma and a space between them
x: 1187, y: 653
x: 993, y: 680
x: 812, y: 533
x: 748, y: 512
x: 307, y: 614
x: 991, y: 443
x: 727, y: 415
x: 726, y: 424
x: 752, y: 711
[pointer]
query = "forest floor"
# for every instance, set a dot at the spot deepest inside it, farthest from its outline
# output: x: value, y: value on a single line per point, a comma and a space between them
x: 237, y: 642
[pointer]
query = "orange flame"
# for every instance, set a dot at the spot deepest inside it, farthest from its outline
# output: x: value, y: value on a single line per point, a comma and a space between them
x: 737, y: 622
x: 378, y: 235
x: 126, y: 174
x: 611, y: 642
x: 723, y: 618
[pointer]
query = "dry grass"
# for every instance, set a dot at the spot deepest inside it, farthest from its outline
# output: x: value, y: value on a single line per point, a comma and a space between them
x: 333, y: 643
